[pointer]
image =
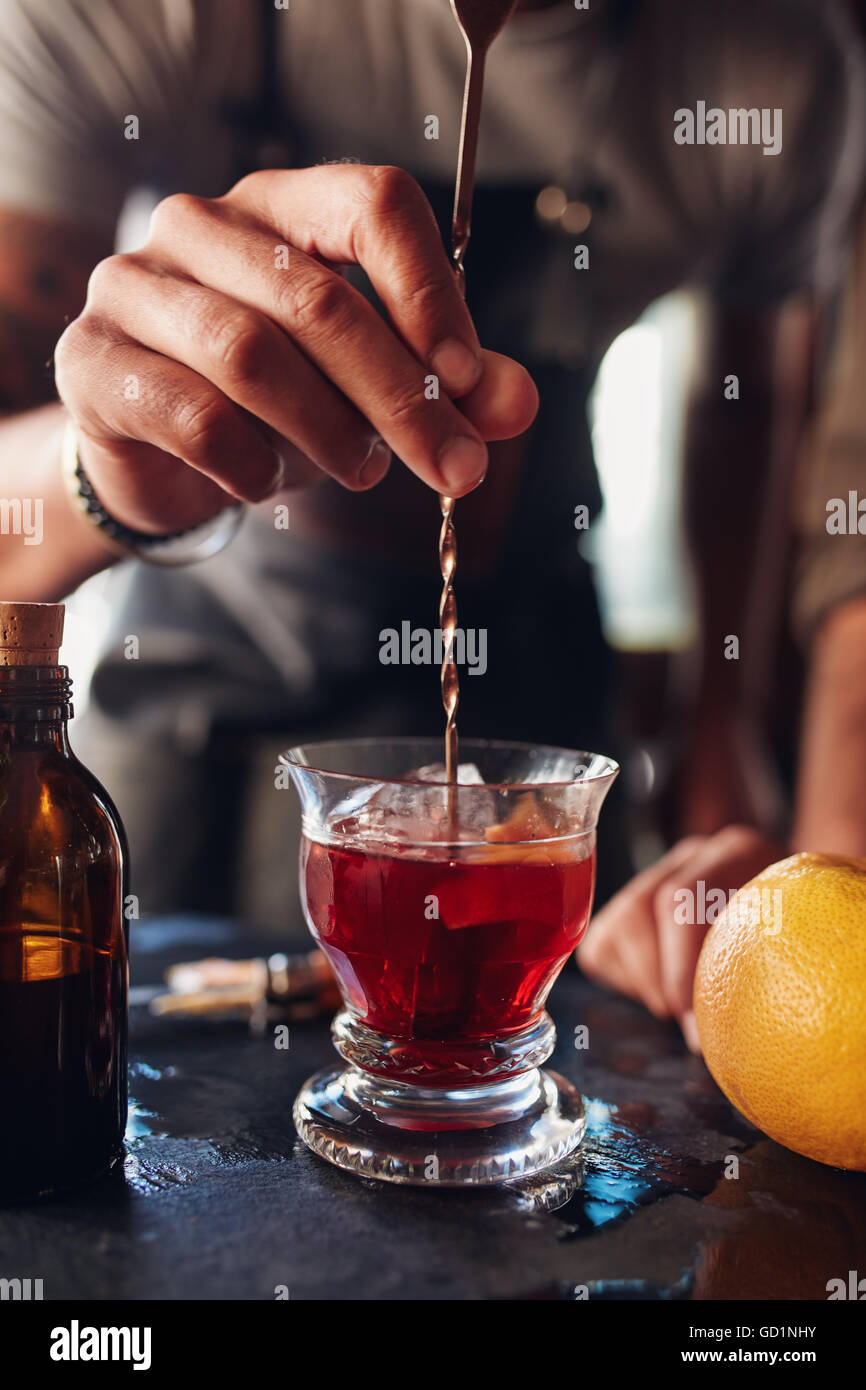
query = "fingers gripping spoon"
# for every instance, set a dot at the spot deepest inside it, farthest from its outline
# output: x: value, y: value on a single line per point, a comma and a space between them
x: 480, y: 21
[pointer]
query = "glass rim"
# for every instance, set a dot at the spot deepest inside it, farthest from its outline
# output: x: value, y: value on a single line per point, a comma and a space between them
x: 608, y: 771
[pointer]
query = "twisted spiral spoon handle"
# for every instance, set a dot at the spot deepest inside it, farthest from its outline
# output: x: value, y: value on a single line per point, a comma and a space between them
x: 480, y: 21
x: 448, y: 627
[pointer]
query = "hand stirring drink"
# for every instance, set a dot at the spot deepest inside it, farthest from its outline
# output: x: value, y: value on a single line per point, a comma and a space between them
x: 446, y: 931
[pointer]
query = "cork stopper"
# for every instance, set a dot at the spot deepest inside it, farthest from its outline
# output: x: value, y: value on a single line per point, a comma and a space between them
x: 30, y: 633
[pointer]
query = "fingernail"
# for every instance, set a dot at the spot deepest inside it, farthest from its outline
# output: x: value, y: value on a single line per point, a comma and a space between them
x: 462, y: 463
x: 277, y: 479
x: 376, y: 464
x: 456, y: 365
x: 690, y: 1032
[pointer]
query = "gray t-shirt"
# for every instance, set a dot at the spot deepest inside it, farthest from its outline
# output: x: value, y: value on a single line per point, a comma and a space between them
x: 569, y: 102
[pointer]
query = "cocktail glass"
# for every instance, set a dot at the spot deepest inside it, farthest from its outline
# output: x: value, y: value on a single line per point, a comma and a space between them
x: 447, y: 912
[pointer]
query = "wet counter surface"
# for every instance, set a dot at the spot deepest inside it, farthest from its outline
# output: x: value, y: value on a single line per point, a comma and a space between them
x: 679, y: 1197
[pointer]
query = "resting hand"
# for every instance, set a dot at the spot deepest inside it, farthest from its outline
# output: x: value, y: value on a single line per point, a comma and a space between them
x: 645, y: 942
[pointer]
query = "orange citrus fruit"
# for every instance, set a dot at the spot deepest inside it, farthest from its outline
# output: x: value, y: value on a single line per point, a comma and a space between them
x: 780, y: 1005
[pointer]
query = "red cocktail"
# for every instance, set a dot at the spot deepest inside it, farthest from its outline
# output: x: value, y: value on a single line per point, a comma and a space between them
x: 447, y: 911
x: 436, y: 951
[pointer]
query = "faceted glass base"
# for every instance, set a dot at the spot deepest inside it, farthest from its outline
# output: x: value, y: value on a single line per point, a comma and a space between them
x: 446, y: 1138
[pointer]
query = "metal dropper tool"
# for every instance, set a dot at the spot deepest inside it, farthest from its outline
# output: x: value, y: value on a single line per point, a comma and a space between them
x: 480, y: 21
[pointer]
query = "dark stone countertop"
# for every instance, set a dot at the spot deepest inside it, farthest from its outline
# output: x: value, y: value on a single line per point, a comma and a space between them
x: 218, y: 1199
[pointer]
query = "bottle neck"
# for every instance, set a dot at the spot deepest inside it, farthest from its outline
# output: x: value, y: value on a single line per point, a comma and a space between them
x: 35, y: 704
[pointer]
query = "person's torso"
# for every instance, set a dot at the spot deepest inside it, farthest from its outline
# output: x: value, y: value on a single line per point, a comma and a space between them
x: 576, y: 151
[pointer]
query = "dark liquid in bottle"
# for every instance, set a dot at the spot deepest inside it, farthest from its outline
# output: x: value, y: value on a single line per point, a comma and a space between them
x: 63, y: 1097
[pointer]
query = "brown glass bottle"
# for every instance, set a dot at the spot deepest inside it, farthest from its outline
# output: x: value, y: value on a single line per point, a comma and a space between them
x: 63, y: 947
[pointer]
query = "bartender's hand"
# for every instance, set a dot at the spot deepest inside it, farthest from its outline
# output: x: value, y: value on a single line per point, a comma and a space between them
x: 229, y: 358
x: 639, y: 943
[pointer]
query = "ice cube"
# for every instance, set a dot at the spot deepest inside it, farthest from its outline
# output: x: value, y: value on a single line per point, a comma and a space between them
x: 408, y: 814
x: 467, y: 774
x: 393, y: 814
